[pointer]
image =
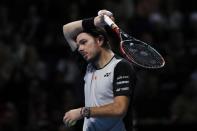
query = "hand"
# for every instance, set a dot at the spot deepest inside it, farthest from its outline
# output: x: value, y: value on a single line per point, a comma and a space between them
x: 99, y: 20
x: 106, y: 12
x: 72, y: 116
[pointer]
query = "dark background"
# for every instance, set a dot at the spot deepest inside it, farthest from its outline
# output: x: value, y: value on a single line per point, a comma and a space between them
x: 41, y: 79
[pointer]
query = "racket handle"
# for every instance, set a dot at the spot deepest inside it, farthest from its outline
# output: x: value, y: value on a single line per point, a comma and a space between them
x: 110, y: 22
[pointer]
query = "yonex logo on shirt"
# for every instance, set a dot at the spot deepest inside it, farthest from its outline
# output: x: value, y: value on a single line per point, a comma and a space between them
x: 107, y: 74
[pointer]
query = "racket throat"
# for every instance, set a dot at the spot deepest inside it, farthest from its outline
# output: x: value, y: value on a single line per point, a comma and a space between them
x: 116, y: 30
x: 122, y: 50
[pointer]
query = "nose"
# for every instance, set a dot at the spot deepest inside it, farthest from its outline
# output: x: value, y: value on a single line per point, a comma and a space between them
x: 80, y: 48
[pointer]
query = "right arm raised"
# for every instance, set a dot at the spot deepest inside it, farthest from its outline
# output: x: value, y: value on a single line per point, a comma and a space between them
x: 72, y: 29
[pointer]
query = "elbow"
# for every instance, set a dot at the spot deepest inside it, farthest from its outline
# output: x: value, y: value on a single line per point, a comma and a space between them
x: 64, y: 29
x: 66, y: 32
x: 120, y: 111
x: 121, y: 106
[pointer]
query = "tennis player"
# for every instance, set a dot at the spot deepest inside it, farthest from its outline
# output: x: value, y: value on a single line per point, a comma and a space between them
x: 109, y: 79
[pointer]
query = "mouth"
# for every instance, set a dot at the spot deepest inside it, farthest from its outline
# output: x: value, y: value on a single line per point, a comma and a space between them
x: 85, y: 55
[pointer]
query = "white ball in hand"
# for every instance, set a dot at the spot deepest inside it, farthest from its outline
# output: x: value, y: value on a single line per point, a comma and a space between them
x: 72, y: 123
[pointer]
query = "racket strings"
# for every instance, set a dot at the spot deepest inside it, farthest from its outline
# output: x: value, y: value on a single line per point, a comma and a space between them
x: 142, y: 55
x: 140, y: 52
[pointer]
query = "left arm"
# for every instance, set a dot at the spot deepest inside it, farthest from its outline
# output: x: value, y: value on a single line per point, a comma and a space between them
x: 116, y: 109
x: 123, y: 85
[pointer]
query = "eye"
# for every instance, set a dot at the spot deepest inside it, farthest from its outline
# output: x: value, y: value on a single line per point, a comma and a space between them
x: 83, y: 42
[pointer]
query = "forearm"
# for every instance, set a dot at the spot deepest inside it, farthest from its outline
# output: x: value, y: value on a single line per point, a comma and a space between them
x: 116, y: 109
x: 110, y: 110
x: 70, y: 31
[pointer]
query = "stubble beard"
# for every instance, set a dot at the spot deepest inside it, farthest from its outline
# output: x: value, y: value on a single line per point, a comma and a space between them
x: 94, y: 60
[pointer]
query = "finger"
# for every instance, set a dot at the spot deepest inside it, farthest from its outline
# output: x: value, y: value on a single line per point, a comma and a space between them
x: 105, y: 12
x: 66, y: 122
x: 65, y: 117
x: 112, y: 18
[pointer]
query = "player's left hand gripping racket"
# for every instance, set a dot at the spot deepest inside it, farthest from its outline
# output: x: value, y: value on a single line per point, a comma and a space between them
x: 136, y: 50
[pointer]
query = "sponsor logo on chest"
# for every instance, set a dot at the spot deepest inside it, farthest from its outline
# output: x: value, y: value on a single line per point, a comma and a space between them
x: 107, y: 74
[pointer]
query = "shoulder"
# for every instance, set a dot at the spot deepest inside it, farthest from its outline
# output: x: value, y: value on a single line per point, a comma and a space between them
x: 124, y: 79
x: 123, y: 64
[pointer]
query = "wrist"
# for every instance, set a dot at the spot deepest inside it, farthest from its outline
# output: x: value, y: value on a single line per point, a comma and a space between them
x: 85, y: 112
x: 88, y: 24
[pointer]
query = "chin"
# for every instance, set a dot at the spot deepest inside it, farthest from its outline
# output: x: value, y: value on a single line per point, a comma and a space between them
x: 89, y: 59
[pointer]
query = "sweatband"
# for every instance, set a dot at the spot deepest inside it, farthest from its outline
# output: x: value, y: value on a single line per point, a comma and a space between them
x: 88, y: 24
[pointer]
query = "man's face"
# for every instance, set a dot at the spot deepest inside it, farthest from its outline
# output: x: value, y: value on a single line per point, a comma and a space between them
x: 88, y: 46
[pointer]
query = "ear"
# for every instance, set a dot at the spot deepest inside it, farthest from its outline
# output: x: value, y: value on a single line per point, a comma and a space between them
x: 100, y: 40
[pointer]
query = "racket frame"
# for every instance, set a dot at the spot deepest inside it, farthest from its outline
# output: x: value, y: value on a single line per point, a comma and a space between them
x: 118, y: 31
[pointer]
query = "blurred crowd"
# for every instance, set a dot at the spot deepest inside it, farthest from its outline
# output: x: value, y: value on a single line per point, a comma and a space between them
x: 41, y: 79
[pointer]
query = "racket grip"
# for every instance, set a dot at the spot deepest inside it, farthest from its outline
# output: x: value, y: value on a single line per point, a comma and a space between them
x: 110, y: 22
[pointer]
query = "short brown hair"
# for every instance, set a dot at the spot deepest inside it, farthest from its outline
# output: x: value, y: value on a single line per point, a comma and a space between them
x: 97, y: 32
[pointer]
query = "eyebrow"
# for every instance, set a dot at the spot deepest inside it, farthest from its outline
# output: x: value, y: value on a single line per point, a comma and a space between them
x: 82, y: 40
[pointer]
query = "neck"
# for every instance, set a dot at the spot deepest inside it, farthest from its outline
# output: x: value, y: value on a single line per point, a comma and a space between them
x: 104, y: 57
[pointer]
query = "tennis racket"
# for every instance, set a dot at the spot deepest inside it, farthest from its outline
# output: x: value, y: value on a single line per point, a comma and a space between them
x: 135, y: 50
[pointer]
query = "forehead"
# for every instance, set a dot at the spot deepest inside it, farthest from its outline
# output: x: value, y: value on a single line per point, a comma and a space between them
x: 83, y: 35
